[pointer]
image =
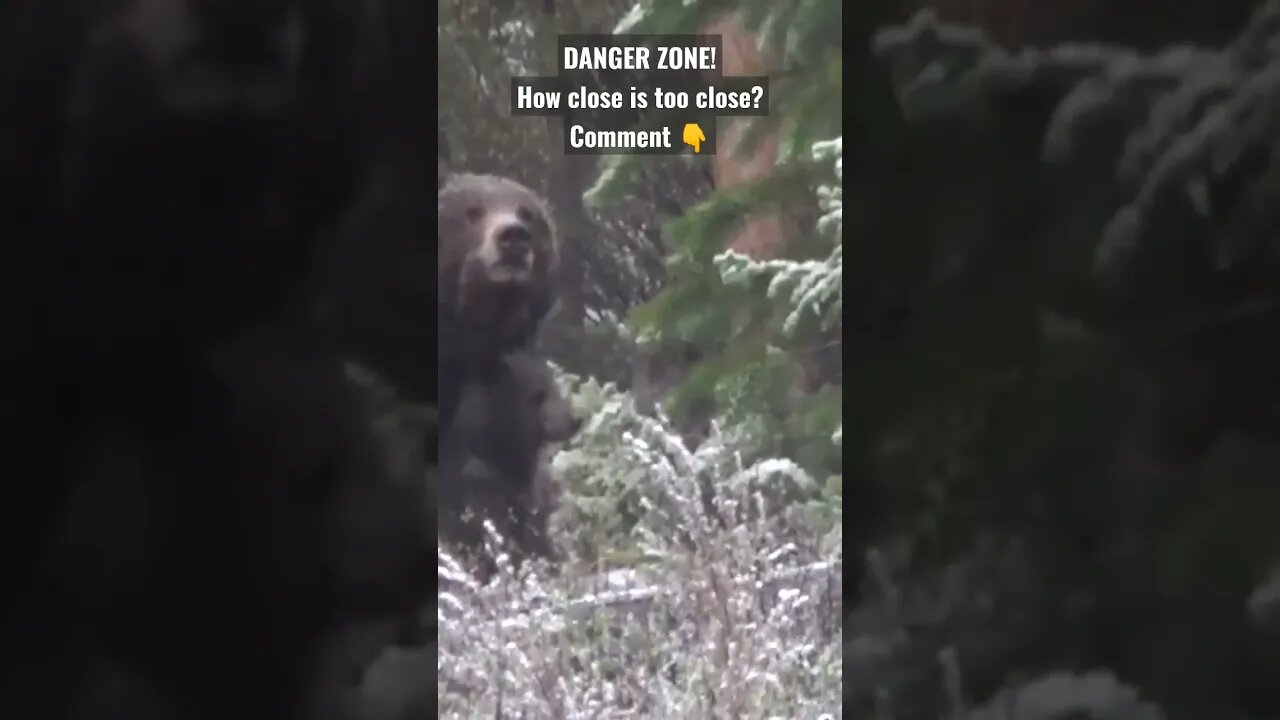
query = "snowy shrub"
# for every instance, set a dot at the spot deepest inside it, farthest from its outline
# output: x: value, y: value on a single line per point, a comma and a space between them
x: 671, y: 602
x: 1065, y: 696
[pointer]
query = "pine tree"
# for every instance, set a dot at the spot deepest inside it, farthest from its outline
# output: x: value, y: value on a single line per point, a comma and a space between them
x: 1126, y: 205
x: 759, y: 315
x: 1189, y: 134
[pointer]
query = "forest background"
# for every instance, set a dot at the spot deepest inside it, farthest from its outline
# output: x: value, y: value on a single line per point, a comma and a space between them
x: 1043, y: 456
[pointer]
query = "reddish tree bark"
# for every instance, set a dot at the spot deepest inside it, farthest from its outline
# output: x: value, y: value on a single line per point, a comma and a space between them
x: 761, y: 236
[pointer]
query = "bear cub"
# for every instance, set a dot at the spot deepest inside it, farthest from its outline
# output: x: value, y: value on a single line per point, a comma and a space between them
x: 494, y: 461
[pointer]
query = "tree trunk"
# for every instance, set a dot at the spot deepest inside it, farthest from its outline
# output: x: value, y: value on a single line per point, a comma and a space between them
x: 761, y: 237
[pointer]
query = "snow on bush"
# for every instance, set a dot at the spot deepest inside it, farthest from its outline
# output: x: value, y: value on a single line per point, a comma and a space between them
x: 687, y: 589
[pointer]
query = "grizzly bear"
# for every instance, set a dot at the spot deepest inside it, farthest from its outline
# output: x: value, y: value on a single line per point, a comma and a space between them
x: 493, y: 456
x: 498, y: 258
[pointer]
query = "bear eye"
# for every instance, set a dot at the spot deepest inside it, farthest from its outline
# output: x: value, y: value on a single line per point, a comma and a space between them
x: 525, y: 214
x: 474, y: 213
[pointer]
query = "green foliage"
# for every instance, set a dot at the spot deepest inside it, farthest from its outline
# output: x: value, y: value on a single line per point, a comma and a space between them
x: 758, y: 315
x: 1066, y: 207
x: 697, y: 304
x: 1188, y: 132
x: 679, y: 604
x: 632, y: 483
x: 806, y: 288
x: 804, y: 42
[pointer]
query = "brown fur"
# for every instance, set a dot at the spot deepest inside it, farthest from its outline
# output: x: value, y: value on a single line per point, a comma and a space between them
x: 498, y: 259
x: 473, y: 211
x: 494, y: 462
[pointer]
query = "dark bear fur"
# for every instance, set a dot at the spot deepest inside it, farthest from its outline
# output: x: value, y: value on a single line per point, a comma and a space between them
x: 498, y: 258
x: 193, y: 505
x: 493, y: 457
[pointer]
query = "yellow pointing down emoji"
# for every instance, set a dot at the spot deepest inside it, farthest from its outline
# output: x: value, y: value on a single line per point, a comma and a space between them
x: 693, y: 136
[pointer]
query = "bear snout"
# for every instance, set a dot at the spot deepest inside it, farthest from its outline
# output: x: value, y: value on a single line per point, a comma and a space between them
x: 515, y: 243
